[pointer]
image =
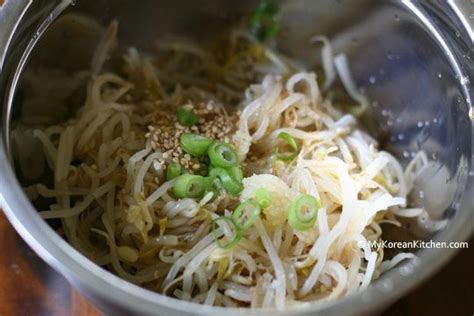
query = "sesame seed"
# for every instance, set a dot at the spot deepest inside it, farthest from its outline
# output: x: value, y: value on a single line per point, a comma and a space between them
x: 165, y: 131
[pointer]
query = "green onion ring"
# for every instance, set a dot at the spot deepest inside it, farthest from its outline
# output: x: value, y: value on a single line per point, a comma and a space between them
x: 236, y: 173
x: 195, y: 145
x: 189, y: 186
x: 230, y: 185
x: 237, y: 233
x: 263, y: 21
x: 223, y: 155
x: 290, y: 141
x: 249, y: 210
x: 173, y: 170
x: 303, y: 212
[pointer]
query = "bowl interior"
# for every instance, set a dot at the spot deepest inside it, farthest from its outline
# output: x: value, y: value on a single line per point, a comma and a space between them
x: 417, y: 99
x: 417, y: 93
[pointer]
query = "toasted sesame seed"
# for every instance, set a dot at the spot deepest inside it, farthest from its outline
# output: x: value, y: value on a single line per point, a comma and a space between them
x: 165, y: 131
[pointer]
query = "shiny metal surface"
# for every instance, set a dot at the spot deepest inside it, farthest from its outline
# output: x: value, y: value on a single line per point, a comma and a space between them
x: 414, y: 60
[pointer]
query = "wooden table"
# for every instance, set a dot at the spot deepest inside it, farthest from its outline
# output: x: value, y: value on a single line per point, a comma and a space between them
x: 29, y: 287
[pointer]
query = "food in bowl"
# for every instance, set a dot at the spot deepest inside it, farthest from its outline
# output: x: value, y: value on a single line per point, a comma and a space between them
x: 225, y: 175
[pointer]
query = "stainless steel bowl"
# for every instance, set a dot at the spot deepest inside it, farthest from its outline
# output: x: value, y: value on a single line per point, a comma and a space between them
x: 414, y: 59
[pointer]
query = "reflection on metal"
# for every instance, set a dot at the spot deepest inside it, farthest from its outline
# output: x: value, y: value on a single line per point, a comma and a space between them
x: 387, y: 43
x: 6, y: 36
x: 446, y: 49
x: 462, y: 13
x: 23, y: 61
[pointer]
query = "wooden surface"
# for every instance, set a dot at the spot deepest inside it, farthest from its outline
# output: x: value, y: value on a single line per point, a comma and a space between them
x: 29, y: 287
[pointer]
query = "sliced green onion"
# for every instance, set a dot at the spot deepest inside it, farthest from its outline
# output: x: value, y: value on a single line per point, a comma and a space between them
x: 263, y: 197
x: 189, y: 186
x: 230, y: 185
x: 186, y: 117
x: 195, y: 145
x: 209, y: 182
x: 291, y: 142
x: 236, y: 173
x: 267, y: 8
x: 265, y: 30
x: 173, y: 171
x: 246, y: 213
x: 303, y: 212
x: 224, y: 242
x: 223, y: 155
x: 212, y: 185
x: 264, y: 22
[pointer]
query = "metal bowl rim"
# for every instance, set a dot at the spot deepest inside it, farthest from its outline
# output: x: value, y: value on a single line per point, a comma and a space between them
x: 77, y: 268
